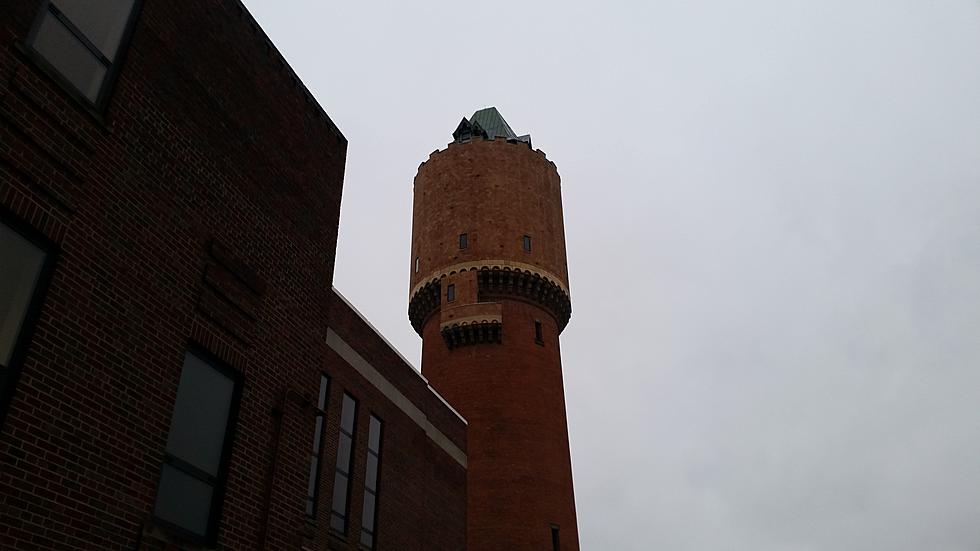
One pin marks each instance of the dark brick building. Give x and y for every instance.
(175, 369)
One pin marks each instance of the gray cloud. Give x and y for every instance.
(773, 223)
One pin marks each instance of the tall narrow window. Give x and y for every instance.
(313, 486)
(463, 241)
(369, 514)
(527, 243)
(538, 333)
(22, 264)
(198, 448)
(555, 542)
(345, 458)
(81, 41)
(450, 292)
(416, 264)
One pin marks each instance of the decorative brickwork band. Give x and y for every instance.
(472, 333)
(495, 280)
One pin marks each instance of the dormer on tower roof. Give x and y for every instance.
(489, 124)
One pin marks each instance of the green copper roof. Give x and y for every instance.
(493, 123)
(489, 124)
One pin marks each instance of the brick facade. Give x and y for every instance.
(197, 208)
(493, 350)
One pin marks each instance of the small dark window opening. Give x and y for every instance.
(538, 336)
(463, 241)
(555, 543)
(416, 264)
(450, 292)
(313, 486)
(527, 243)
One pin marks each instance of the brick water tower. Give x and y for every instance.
(489, 297)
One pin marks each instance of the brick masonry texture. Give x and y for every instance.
(495, 192)
(200, 208)
(519, 474)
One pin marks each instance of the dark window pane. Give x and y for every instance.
(101, 21)
(184, 500)
(311, 485)
(337, 523)
(20, 265)
(367, 514)
(317, 431)
(367, 540)
(374, 434)
(527, 243)
(450, 292)
(324, 385)
(200, 418)
(371, 476)
(463, 241)
(70, 57)
(340, 493)
(343, 452)
(347, 414)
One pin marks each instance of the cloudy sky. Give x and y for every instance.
(772, 211)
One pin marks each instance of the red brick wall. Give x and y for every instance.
(496, 192)
(200, 207)
(520, 478)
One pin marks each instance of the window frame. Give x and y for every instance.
(221, 478)
(113, 68)
(321, 413)
(377, 480)
(526, 243)
(350, 466)
(451, 292)
(538, 332)
(12, 371)
(464, 240)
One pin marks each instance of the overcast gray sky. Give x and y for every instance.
(772, 211)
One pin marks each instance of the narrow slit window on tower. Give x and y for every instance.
(527, 243)
(416, 264)
(320, 414)
(555, 542)
(450, 292)
(538, 333)
(345, 459)
(463, 241)
(369, 514)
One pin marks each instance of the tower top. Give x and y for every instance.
(489, 124)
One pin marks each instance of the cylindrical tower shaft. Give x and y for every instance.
(489, 296)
